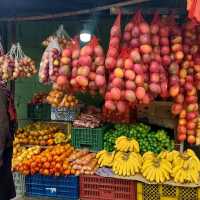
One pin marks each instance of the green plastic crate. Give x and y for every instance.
(40, 112)
(91, 138)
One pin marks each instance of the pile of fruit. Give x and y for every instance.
(155, 141)
(127, 161)
(56, 161)
(15, 64)
(39, 98)
(43, 134)
(24, 155)
(59, 99)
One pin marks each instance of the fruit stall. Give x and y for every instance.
(113, 118)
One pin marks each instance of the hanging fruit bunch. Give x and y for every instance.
(184, 79)
(15, 64)
(115, 86)
(75, 61)
(50, 63)
(60, 35)
(114, 44)
(88, 73)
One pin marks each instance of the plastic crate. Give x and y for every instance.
(91, 138)
(62, 188)
(19, 181)
(39, 112)
(64, 114)
(166, 192)
(101, 188)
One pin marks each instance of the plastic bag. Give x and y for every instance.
(88, 73)
(114, 44)
(193, 7)
(50, 63)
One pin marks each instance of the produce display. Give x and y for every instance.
(127, 161)
(39, 98)
(155, 141)
(43, 134)
(58, 160)
(15, 64)
(148, 61)
(59, 99)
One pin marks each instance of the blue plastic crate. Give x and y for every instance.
(62, 187)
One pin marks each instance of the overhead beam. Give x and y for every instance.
(74, 13)
(149, 11)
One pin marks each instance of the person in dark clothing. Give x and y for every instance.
(8, 124)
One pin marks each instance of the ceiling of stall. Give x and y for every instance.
(23, 8)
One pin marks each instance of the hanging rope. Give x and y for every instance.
(73, 13)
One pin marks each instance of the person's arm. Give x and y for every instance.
(4, 124)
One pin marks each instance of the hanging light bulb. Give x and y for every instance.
(85, 36)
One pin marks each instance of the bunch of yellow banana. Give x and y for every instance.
(155, 168)
(186, 167)
(125, 144)
(170, 156)
(127, 164)
(105, 159)
(59, 138)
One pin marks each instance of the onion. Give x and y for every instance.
(145, 39)
(154, 67)
(138, 68)
(85, 60)
(135, 31)
(114, 42)
(135, 56)
(110, 62)
(98, 50)
(129, 27)
(155, 39)
(112, 52)
(86, 51)
(128, 63)
(120, 63)
(164, 41)
(164, 31)
(99, 61)
(145, 49)
(134, 43)
(115, 31)
(127, 36)
(144, 28)
(165, 50)
(146, 58)
(154, 28)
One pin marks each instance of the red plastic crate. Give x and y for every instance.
(101, 188)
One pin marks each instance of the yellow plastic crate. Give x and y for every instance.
(166, 192)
